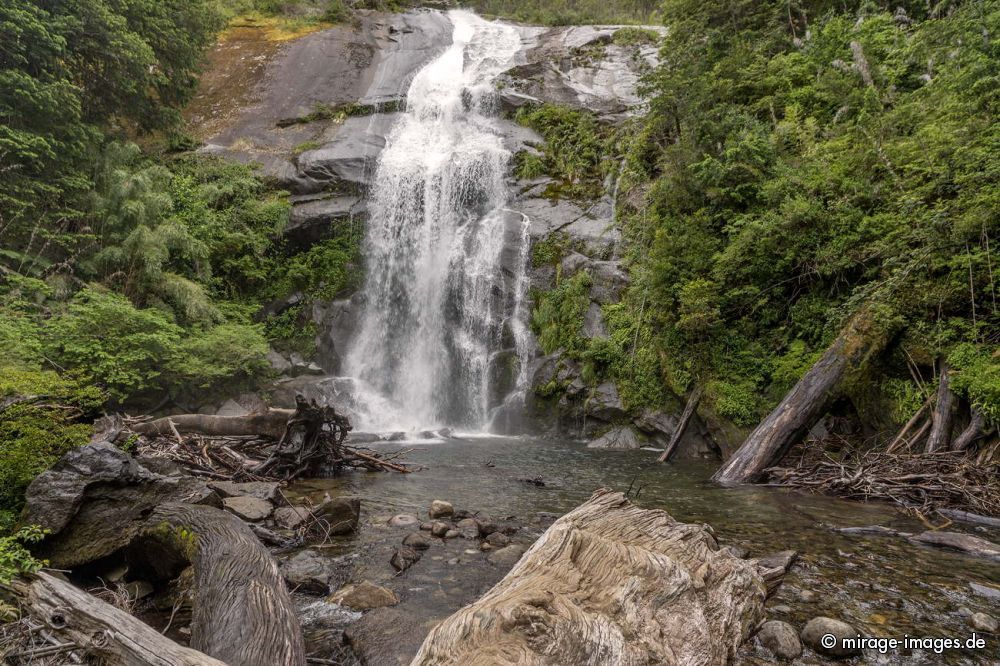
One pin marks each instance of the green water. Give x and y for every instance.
(884, 586)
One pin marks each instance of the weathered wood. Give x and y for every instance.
(270, 423)
(613, 584)
(940, 436)
(242, 612)
(805, 403)
(689, 409)
(900, 438)
(975, 430)
(98, 627)
(969, 517)
(313, 437)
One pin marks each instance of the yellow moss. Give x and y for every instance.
(271, 28)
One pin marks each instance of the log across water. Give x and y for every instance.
(613, 584)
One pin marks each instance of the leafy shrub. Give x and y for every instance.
(574, 146)
(558, 315)
(977, 378)
(15, 558)
(736, 402)
(632, 36)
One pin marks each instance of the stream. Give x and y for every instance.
(883, 586)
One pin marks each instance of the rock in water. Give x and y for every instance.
(417, 541)
(308, 571)
(468, 528)
(291, 517)
(340, 514)
(984, 622)
(818, 627)
(404, 558)
(404, 520)
(506, 556)
(248, 508)
(439, 528)
(781, 639)
(264, 490)
(498, 540)
(609, 583)
(440, 509)
(364, 596)
(617, 438)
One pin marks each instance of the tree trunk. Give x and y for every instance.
(806, 402)
(609, 583)
(102, 630)
(940, 435)
(973, 432)
(689, 409)
(242, 614)
(270, 423)
(900, 439)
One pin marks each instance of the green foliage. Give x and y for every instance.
(325, 270)
(571, 12)
(528, 166)
(550, 250)
(15, 559)
(977, 378)
(575, 147)
(736, 402)
(635, 36)
(558, 315)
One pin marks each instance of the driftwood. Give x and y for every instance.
(612, 584)
(806, 402)
(270, 423)
(689, 409)
(975, 430)
(940, 436)
(113, 635)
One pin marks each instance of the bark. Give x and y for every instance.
(805, 403)
(270, 423)
(974, 431)
(113, 635)
(609, 583)
(689, 409)
(940, 435)
(242, 612)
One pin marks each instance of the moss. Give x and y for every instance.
(634, 36)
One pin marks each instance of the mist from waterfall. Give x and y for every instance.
(438, 307)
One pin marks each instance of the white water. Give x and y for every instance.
(437, 301)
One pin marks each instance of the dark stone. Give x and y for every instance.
(340, 514)
(818, 627)
(417, 541)
(617, 438)
(309, 572)
(404, 558)
(781, 639)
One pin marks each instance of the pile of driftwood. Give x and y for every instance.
(273, 444)
(922, 482)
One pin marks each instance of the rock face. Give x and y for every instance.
(617, 438)
(609, 583)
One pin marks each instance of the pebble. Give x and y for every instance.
(248, 508)
(451, 534)
(404, 558)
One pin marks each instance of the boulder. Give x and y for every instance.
(364, 596)
(440, 509)
(338, 515)
(404, 558)
(291, 517)
(818, 627)
(780, 639)
(308, 571)
(417, 541)
(264, 490)
(247, 508)
(593, 322)
(617, 438)
(609, 281)
(605, 404)
(314, 219)
(232, 408)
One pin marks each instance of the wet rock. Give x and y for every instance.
(336, 322)
(609, 281)
(404, 520)
(780, 560)
(498, 540)
(291, 517)
(364, 596)
(653, 422)
(807, 596)
(593, 322)
(965, 543)
(818, 627)
(617, 438)
(439, 528)
(461, 514)
(451, 534)
(781, 609)
(781, 639)
(426, 527)
(248, 508)
(440, 508)
(314, 220)
(486, 525)
(507, 556)
(468, 528)
(485, 546)
(417, 541)
(339, 515)
(404, 558)
(984, 622)
(264, 490)
(605, 404)
(309, 572)
(988, 591)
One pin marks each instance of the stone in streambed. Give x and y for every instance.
(248, 508)
(486, 525)
(439, 528)
(264, 490)
(507, 556)
(782, 560)
(983, 622)
(404, 520)
(291, 517)
(468, 528)
(451, 534)
(339, 515)
(498, 540)
(781, 639)
(417, 540)
(440, 509)
(818, 627)
(308, 571)
(364, 596)
(404, 558)
(426, 527)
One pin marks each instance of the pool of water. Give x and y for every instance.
(884, 586)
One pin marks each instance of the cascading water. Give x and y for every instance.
(437, 300)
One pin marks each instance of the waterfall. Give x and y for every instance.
(438, 305)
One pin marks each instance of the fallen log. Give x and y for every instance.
(102, 630)
(689, 409)
(862, 337)
(613, 584)
(270, 423)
